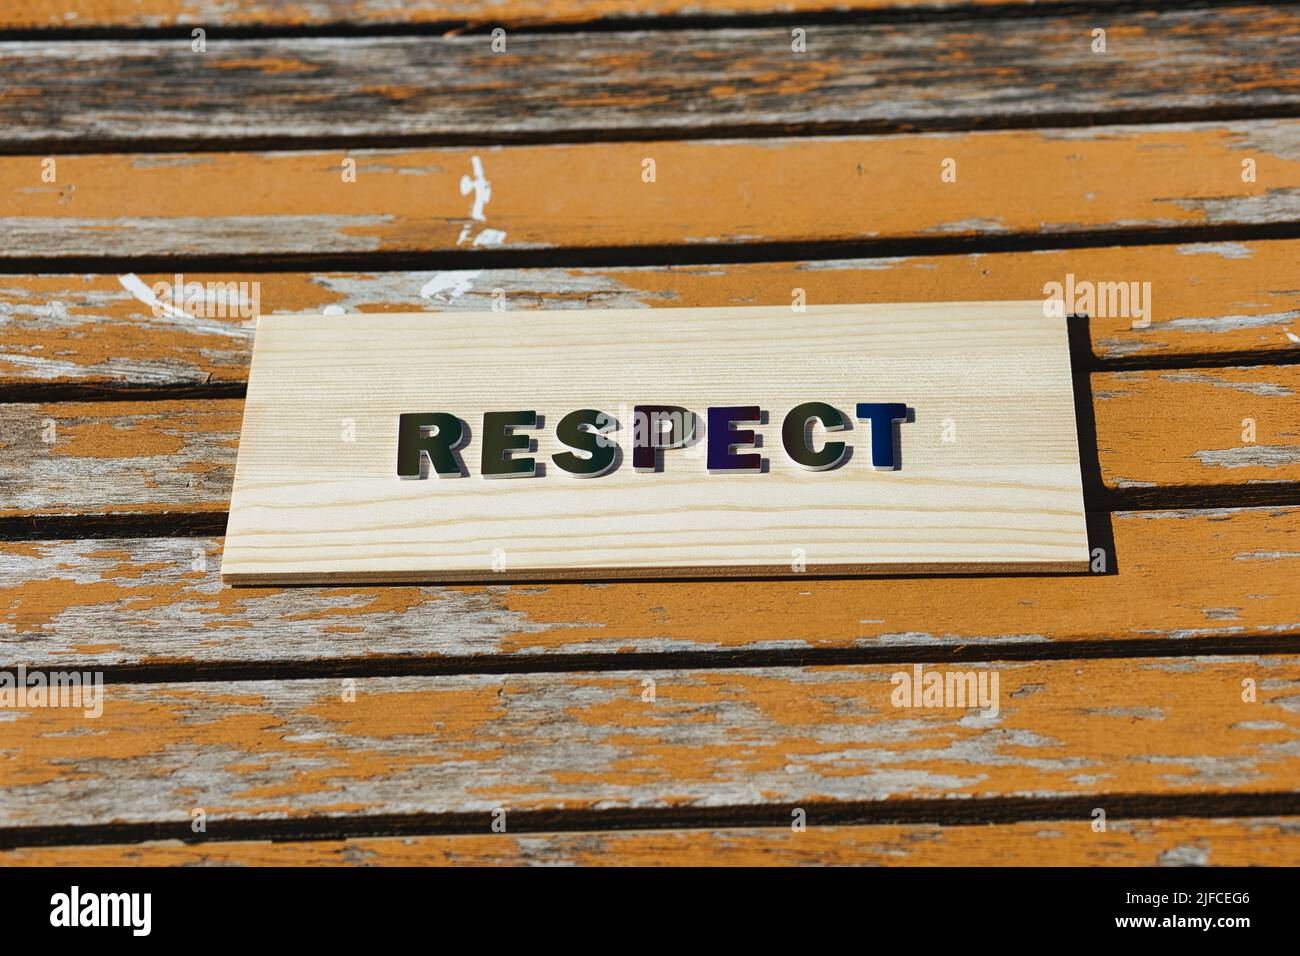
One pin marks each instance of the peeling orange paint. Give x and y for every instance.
(800, 734)
(587, 195)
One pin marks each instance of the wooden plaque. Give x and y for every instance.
(974, 464)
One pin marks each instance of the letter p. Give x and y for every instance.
(650, 437)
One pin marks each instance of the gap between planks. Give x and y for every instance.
(1100, 647)
(1177, 840)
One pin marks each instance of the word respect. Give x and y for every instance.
(430, 442)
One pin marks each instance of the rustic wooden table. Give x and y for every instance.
(335, 154)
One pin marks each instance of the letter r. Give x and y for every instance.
(435, 435)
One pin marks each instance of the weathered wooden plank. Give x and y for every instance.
(1175, 429)
(118, 457)
(1179, 841)
(160, 601)
(65, 14)
(469, 744)
(593, 195)
(609, 84)
(98, 332)
(1189, 427)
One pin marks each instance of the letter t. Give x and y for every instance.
(882, 417)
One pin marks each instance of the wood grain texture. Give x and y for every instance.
(1179, 841)
(274, 750)
(1167, 430)
(37, 14)
(987, 480)
(159, 602)
(608, 85)
(1104, 179)
(91, 332)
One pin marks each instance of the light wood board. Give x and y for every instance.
(317, 499)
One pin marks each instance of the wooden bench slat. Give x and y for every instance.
(592, 195)
(1180, 841)
(1168, 430)
(36, 14)
(160, 602)
(93, 332)
(119, 458)
(1191, 427)
(588, 741)
(610, 84)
